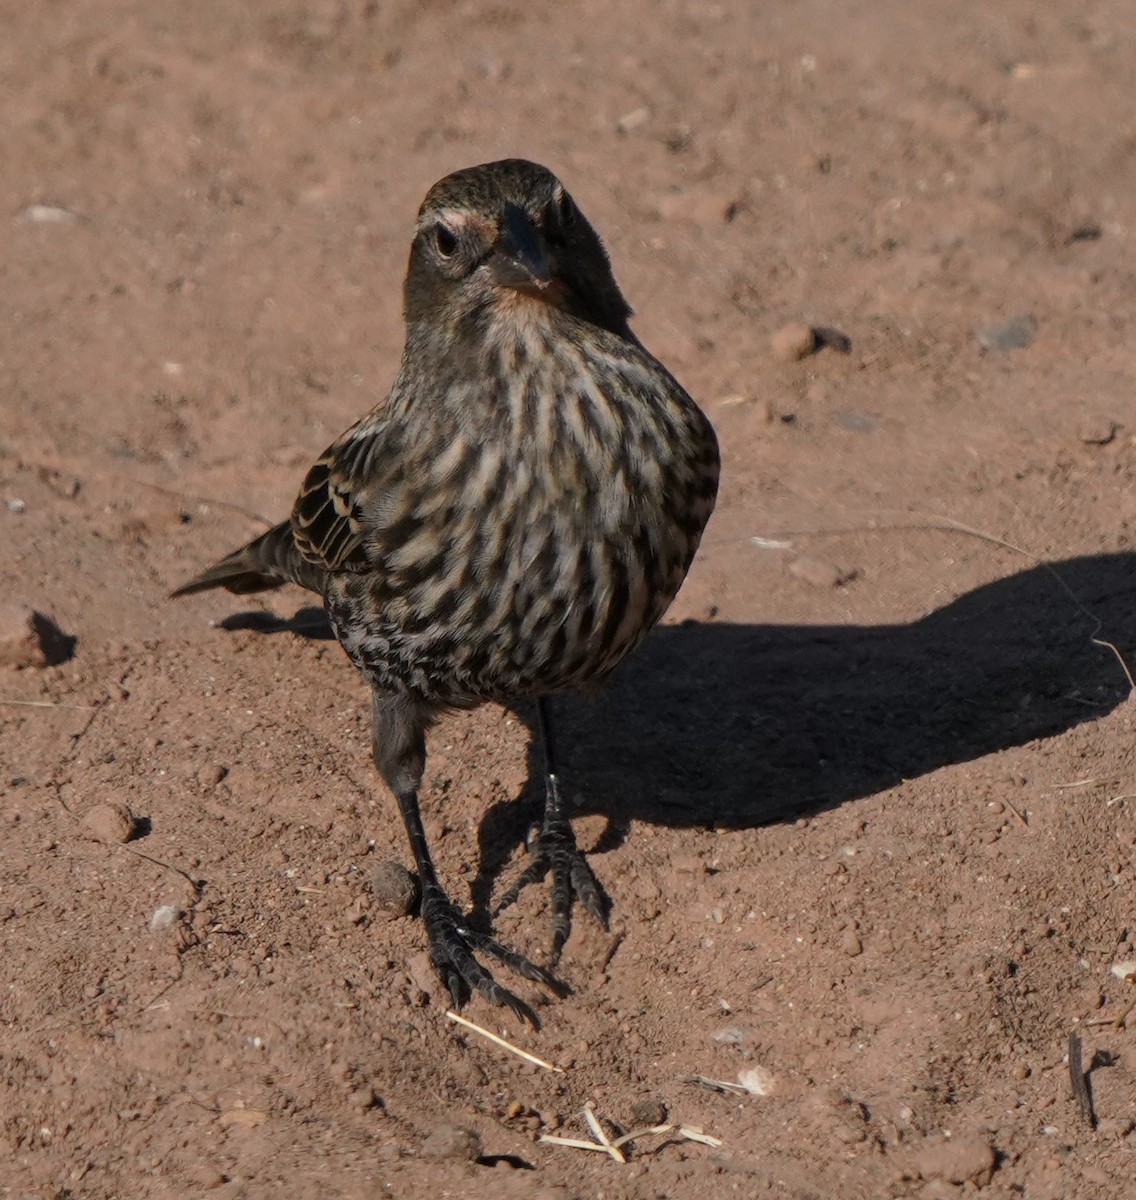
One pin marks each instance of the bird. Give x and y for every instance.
(507, 524)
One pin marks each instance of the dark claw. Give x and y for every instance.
(452, 945)
(556, 852)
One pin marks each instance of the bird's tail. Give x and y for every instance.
(268, 562)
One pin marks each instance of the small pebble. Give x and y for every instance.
(855, 422)
(688, 864)
(452, 1141)
(793, 341)
(850, 943)
(633, 119)
(363, 1097)
(48, 214)
(1087, 231)
(1016, 333)
(31, 639)
(819, 572)
(163, 917)
(394, 888)
(110, 823)
(210, 775)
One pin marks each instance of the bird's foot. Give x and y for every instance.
(555, 851)
(452, 945)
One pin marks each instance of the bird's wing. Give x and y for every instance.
(328, 518)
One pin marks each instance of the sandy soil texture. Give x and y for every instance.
(865, 805)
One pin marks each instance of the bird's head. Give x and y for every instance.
(506, 236)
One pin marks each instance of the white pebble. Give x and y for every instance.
(758, 1081)
(49, 214)
(163, 917)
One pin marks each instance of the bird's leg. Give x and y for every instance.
(555, 851)
(399, 751)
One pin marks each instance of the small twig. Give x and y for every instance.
(713, 1085)
(50, 704)
(1120, 1021)
(614, 942)
(194, 884)
(1014, 809)
(177, 494)
(1080, 1081)
(500, 1041)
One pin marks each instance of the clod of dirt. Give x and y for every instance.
(31, 639)
(452, 1141)
(364, 1097)
(203, 1177)
(819, 572)
(649, 1111)
(211, 775)
(850, 943)
(793, 341)
(425, 984)
(110, 823)
(959, 1160)
(1015, 333)
(394, 888)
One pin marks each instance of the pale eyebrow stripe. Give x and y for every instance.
(457, 218)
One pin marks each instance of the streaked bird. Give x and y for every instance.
(511, 520)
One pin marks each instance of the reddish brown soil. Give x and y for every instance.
(876, 838)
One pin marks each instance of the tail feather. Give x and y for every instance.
(270, 561)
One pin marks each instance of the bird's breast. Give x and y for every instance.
(549, 532)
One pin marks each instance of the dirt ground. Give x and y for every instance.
(865, 806)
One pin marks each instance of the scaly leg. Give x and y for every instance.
(399, 748)
(556, 851)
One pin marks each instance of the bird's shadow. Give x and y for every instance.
(733, 725)
(728, 725)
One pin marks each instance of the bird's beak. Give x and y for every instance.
(520, 257)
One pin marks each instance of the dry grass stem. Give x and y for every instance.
(500, 1041)
(713, 1085)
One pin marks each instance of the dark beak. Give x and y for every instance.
(519, 258)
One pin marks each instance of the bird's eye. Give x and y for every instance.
(445, 240)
